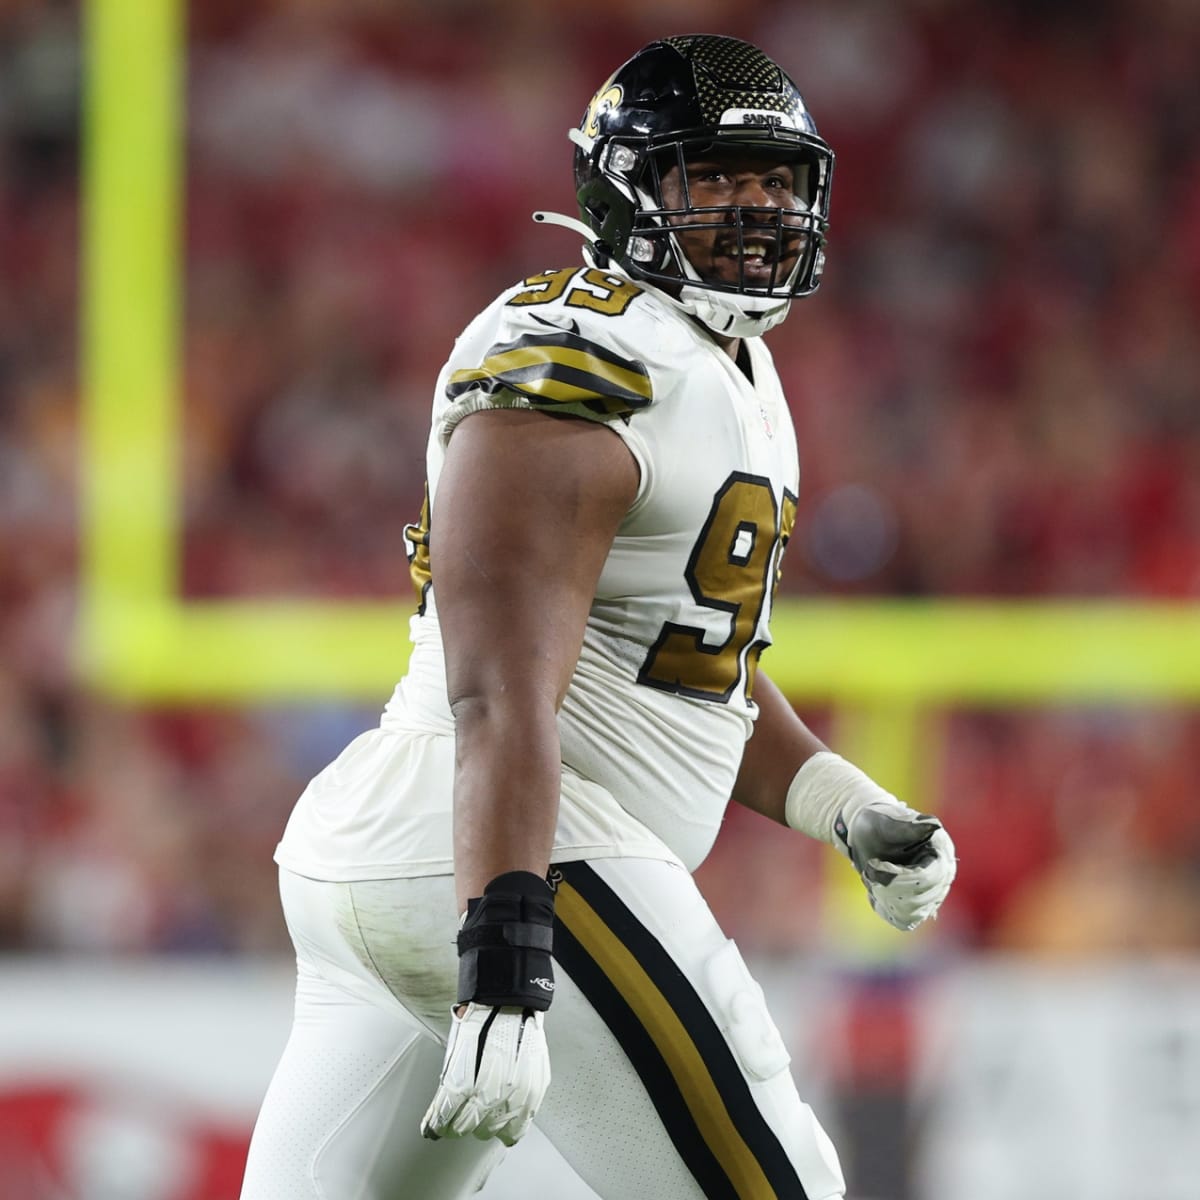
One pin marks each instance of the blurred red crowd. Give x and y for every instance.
(997, 393)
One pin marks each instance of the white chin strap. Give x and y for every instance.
(733, 316)
(728, 314)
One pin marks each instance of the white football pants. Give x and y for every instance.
(670, 1081)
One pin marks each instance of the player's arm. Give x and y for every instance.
(780, 744)
(526, 510)
(905, 858)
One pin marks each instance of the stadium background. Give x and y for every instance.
(224, 293)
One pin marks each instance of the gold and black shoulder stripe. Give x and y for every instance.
(672, 1041)
(560, 368)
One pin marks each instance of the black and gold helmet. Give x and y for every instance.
(676, 100)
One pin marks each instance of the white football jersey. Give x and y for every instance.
(654, 723)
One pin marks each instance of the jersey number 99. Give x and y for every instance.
(732, 568)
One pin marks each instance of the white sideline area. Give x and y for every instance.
(126, 1079)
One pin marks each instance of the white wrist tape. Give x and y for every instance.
(825, 786)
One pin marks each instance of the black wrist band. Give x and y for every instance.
(506, 942)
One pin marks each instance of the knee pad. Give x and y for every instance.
(740, 1009)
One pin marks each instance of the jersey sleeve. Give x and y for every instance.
(582, 363)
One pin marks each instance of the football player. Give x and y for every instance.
(495, 884)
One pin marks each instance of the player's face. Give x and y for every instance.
(760, 186)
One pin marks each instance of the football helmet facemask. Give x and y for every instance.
(703, 98)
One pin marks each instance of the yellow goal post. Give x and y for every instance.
(883, 665)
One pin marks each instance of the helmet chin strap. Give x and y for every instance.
(726, 314)
(731, 316)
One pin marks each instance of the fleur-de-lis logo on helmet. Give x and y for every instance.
(605, 100)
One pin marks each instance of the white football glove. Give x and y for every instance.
(494, 1076)
(905, 858)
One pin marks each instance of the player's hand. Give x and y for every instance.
(905, 859)
(494, 1076)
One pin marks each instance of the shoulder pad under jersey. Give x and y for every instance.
(563, 340)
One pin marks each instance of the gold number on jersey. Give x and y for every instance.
(417, 536)
(732, 566)
(614, 293)
(787, 522)
(617, 294)
(543, 288)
